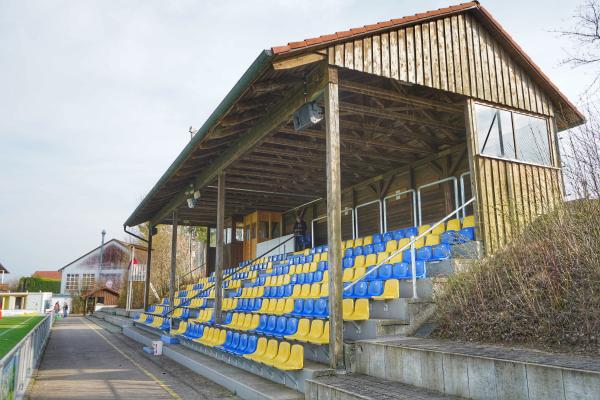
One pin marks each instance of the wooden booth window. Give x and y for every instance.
(511, 135)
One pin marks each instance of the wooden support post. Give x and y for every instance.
(148, 264)
(472, 146)
(334, 220)
(173, 261)
(220, 245)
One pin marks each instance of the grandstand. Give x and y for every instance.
(437, 143)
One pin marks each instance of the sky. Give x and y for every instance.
(96, 97)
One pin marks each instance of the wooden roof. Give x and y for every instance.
(56, 275)
(387, 121)
(3, 269)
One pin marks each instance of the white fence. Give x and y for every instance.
(19, 363)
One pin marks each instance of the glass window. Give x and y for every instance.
(213, 237)
(512, 135)
(263, 229)
(247, 232)
(239, 231)
(531, 134)
(72, 282)
(88, 281)
(275, 227)
(495, 132)
(253, 230)
(227, 235)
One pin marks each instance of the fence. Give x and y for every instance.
(17, 366)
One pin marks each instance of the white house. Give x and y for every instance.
(87, 272)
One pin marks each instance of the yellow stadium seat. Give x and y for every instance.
(315, 291)
(324, 289)
(313, 267)
(296, 291)
(316, 330)
(324, 338)
(260, 291)
(359, 261)
(382, 256)
(219, 339)
(317, 257)
(264, 306)
(395, 259)
(371, 259)
(295, 361)
(268, 281)
(469, 221)
(288, 307)
(367, 240)
(423, 228)
(348, 275)
(325, 277)
(432, 240)
(303, 330)
(305, 291)
(391, 246)
(286, 279)
(283, 353)
(359, 272)
(438, 230)
(419, 243)
(279, 307)
(358, 242)
(403, 242)
(279, 280)
(391, 290)
(305, 268)
(245, 292)
(324, 256)
(254, 322)
(234, 321)
(272, 306)
(355, 310)
(453, 225)
(271, 353)
(261, 347)
(349, 243)
(206, 336)
(293, 270)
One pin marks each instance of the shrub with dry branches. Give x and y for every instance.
(542, 290)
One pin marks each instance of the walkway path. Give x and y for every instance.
(84, 361)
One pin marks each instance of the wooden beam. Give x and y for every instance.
(220, 247)
(276, 116)
(334, 221)
(374, 91)
(148, 265)
(173, 261)
(297, 61)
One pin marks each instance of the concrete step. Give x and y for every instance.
(363, 387)
(247, 379)
(477, 371)
(106, 325)
(114, 319)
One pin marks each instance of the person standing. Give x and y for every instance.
(299, 234)
(65, 309)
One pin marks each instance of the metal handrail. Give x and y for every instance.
(188, 300)
(411, 245)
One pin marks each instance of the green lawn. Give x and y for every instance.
(13, 329)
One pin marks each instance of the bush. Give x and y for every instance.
(35, 284)
(542, 290)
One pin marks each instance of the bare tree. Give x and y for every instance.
(585, 36)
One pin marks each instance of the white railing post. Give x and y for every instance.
(413, 266)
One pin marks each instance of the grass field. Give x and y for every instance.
(13, 329)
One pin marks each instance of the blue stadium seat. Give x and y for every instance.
(347, 262)
(288, 290)
(349, 252)
(369, 276)
(280, 327)
(398, 234)
(308, 308)
(243, 344)
(412, 231)
(347, 293)
(298, 307)
(450, 237)
(360, 290)
(280, 291)
(267, 292)
(379, 247)
(368, 249)
(228, 340)
(322, 266)
(271, 325)
(358, 251)
(307, 259)
(251, 347)
(384, 272)
(321, 309)
(300, 280)
(291, 326)
(466, 234)
(377, 238)
(294, 279)
(375, 288)
(388, 236)
(308, 278)
(317, 276)
(424, 253)
(441, 251)
(262, 324)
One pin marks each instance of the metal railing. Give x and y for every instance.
(188, 300)
(411, 245)
(17, 366)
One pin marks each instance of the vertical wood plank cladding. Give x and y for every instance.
(471, 56)
(410, 54)
(394, 55)
(513, 195)
(367, 55)
(385, 55)
(478, 64)
(505, 79)
(377, 55)
(339, 55)
(358, 55)
(435, 63)
(402, 56)
(449, 55)
(426, 56)
(456, 55)
(442, 50)
(464, 57)
(492, 69)
(349, 55)
(487, 94)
